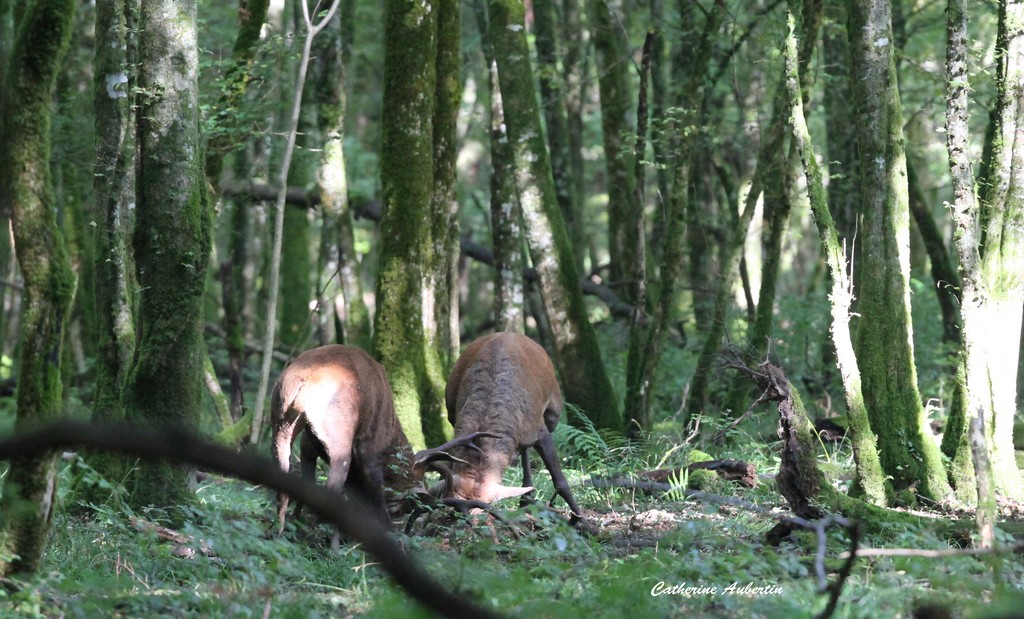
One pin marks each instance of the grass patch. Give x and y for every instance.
(102, 564)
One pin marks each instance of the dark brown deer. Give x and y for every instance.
(341, 398)
(502, 398)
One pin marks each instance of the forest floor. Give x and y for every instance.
(662, 554)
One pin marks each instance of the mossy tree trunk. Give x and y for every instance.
(989, 238)
(869, 483)
(841, 140)
(442, 324)
(296, 285)
(6, 251)
(233, 283)
(115, 286)
(506, 214)
(885, 349)
(341, 291)
(624, 205)
(840, 144)
(647, 342)
(296, 259)
(945, 279)
(73, 189)
(553, 103)
(574, 67)
(660, 104)
(404, 297)
(577, 354)
(29, 492)
(7, 261)
(171, 241)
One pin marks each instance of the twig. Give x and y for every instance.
(844, 572)
(764, 397)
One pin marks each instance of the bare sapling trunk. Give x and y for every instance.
(275, 263)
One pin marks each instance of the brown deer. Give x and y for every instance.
(341, 398)
(502, 398)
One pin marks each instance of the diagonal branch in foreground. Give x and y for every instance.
(352, 517)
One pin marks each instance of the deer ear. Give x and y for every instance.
(508, 492)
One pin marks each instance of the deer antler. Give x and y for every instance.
(425, 457)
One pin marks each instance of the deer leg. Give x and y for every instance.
(338, 472)
(527, 477)
(282, 448)
(373, 487)
(546, 448)
(309, 451)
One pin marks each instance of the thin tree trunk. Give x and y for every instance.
(7, 284)
(613, 64)
(574, 66)
(778, 201)
(943, 270)
(233, 285)
(506, 214)
(341, 294)
(312, 29)
(25, 178)
(7, 258)
(115, 195)
(553, 103)
(870, 482)
(637, 405)
(443, 322)
(641, 373)
(297, 284)
(578, 356)
(251, 15)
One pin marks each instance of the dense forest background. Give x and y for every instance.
(696, 207)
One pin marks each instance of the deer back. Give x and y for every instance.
(341, 394)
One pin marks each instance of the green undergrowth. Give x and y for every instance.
(107, 562)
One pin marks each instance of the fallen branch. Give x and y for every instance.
(352, 517)
(739, 471)
(936, 554)
(186, 544)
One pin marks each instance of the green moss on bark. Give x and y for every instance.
(296, 284)
(578, 356)
(171, 242)
(884, 346)
(30, 486)
(407, 164)
(114, 284)
(624, 208)
(870, 482)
